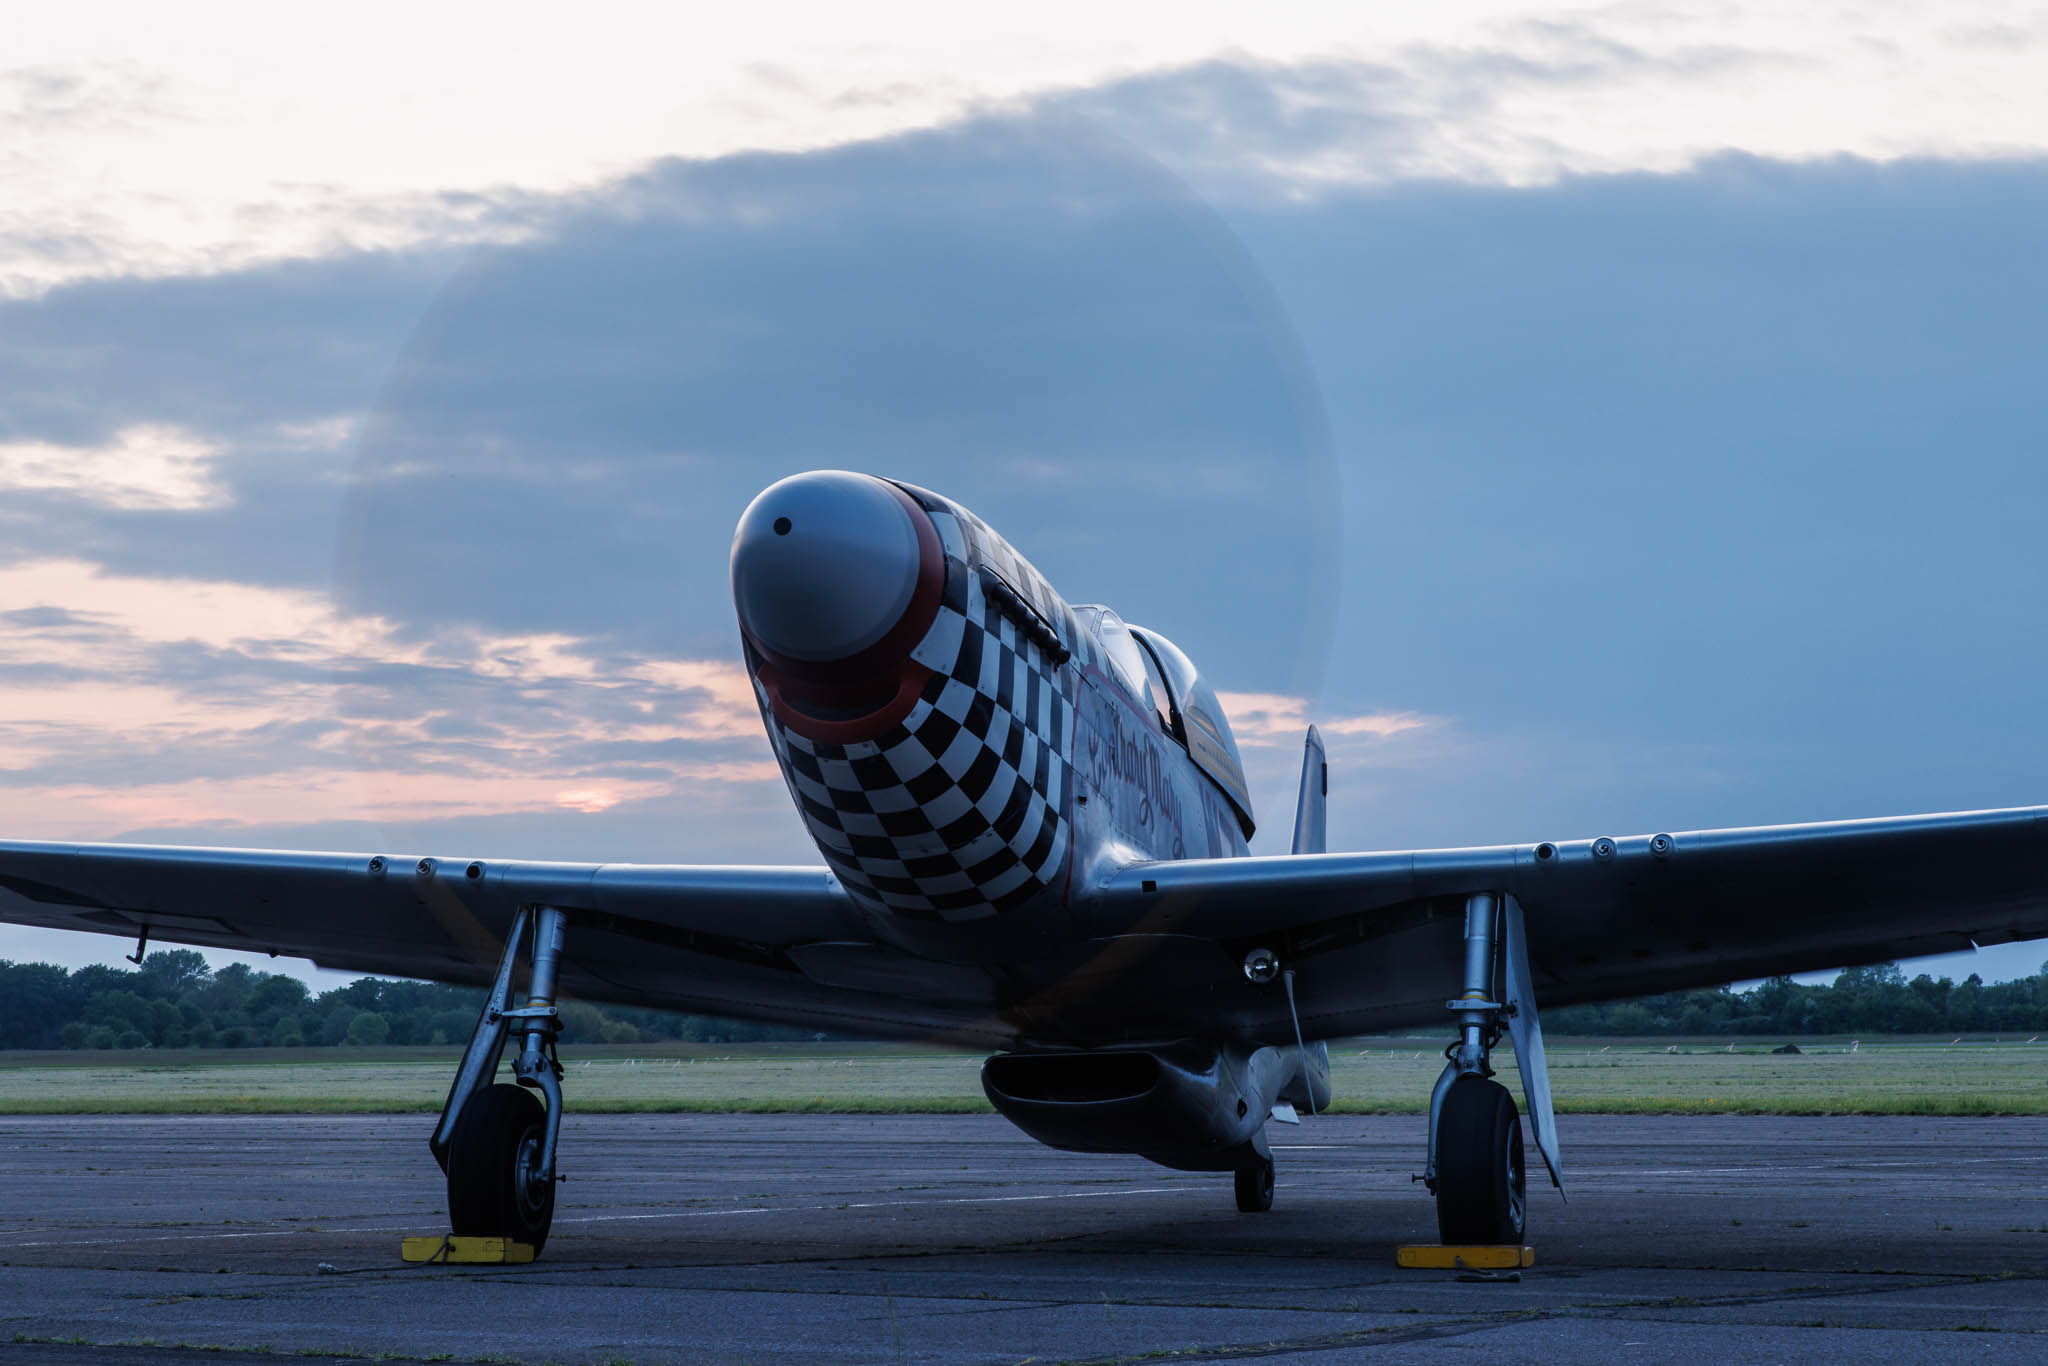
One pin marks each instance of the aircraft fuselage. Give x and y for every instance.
(966, 748)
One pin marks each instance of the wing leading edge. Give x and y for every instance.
(1609, 917)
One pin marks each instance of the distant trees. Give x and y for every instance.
(368, 1029)
(1869, 1000)
(175, 1001)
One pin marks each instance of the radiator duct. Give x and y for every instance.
(1193, 1106)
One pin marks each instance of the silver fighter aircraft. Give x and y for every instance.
(1033, 821)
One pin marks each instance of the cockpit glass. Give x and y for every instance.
(1133, 670)
(1162, 695)
(1203, 728)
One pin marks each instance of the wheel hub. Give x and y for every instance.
(527, 1184)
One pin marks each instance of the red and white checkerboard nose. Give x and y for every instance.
(931, 764)
(824, 564)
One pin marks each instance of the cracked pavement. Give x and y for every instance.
(779, 1238)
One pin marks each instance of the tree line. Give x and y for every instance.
(174, 1000)
(1872, 1000)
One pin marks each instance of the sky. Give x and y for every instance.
(1598, 419)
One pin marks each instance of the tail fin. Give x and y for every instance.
(1310, 812)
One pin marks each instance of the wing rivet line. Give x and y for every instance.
(1661, 846)
(1603, 848)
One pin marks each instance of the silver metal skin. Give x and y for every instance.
(539, 1021)
(1287, 980)
(1436, 1110)
(1311, 804)
(1478, 1017)
(486, 1044)
(1481, 1020)
(1518, 992)
(536, 1066)
(823, 564)
(1194, 1105)
(1477, 1012)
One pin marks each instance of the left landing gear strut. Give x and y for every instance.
(497, 1143)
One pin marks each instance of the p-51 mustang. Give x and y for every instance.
(1034, 823)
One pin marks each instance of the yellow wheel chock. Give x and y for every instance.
(1483, 1257)
(451, 1249)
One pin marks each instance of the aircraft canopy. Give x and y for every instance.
(1202, 726)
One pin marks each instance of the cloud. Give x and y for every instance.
(328, 434)
(1030, 318)
(1530, 98)
(269, 371)
(1260, 719)
(1669, 501)
(612, 394)
(164, 701)
(144, 466)
(1022, 316)
(257, 141)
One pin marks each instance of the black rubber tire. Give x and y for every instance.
(1480, 1192)
(497, 1140)
(1255, 1186)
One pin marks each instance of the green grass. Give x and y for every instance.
(1372, 1076)
(1642, 1077)
(760, 1078)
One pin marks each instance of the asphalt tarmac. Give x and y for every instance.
(771, 1239)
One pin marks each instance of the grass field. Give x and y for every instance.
(1372, 1076)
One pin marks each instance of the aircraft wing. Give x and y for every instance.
(776, 943)
(1374, 936)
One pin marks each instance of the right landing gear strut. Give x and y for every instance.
(497, 1143)
(1476, 1169)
